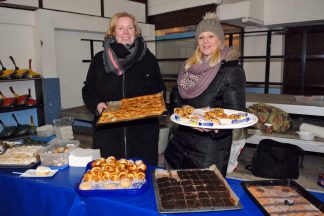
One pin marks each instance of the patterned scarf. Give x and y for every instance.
(196, 79)
(118, 58)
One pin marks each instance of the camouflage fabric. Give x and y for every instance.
(280, 120)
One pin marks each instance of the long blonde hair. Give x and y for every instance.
(113, 23)
(197, 56)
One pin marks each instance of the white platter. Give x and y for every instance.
(249, 120)
(32, 173)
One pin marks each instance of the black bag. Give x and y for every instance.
(276, 160)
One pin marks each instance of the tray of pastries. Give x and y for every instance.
(106, 176)
(129, 109)
(193, 190)
(283, 197)
(212, 118)
(19, 155)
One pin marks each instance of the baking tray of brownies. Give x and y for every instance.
(193, 190)
(283, 197)
(129, 109)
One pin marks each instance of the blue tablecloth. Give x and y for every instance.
(57, 196)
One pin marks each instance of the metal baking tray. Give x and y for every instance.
(286, 182)
(113, 105)
(203, 209)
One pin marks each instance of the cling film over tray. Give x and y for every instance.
(134, 108)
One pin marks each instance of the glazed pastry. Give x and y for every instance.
(110, 186)
(87, 177)
(122, 175)
(96, 178)
(125, 183)
(42, 171)
(85, 186)
(141, 167)
(114, 177)
(109, 168)
(140, 175)
(131, 176)
(96, 171)
(131, 167)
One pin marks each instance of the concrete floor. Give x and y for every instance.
(313, 164)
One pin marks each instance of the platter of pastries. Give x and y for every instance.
(283, 197)
(134, 108)
(212, 118)
(110, 175)
(20, 156)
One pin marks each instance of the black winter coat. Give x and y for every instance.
(190, 148)
(131, 139)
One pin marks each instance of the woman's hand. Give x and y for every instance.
(204, 129)
(101, 106)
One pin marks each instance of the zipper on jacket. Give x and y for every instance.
(124, 128)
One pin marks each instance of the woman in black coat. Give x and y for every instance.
(212, 77)
(125, 68)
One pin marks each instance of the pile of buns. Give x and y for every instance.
(110, 173)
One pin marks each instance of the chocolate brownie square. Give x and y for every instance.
(165, 197)
(168, 204)
(200, 188)
(202, 195)
(206, 203)
(185, 182)
(188, 188)
(192, 195)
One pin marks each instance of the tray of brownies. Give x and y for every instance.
(193, 190)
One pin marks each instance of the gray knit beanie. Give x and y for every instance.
(210, 23)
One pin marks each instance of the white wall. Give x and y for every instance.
(79, 6)
(32, 3)
(279, 12)
(53, 40)
(137, 9)
(70, 51)
(163, 6)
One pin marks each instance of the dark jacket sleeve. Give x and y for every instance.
(89, 95)
(175, 99)
(234, 94)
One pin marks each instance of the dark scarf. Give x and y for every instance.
(196, 79)
(118, 58)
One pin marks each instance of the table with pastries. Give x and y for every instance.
(57, 196)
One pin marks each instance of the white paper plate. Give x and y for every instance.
(249, 120)
(32, 173)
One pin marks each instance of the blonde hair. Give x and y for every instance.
(197, 56)
(113, 23)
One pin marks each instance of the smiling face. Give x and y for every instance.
(208, 43)
(125, 31)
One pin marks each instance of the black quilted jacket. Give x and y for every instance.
(132, 139)
(193, 149)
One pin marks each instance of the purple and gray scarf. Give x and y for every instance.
(196, 79)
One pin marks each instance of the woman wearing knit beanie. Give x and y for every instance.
(211, 77)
